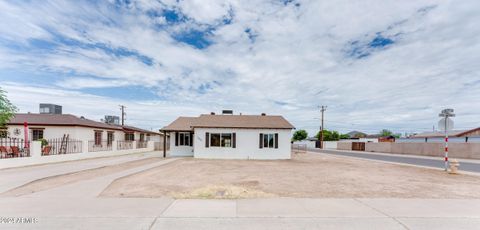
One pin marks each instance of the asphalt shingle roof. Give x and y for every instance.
(229, 121)
(59, 120)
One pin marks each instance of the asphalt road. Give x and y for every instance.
(465, 166)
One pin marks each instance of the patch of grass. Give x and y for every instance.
(221, 192)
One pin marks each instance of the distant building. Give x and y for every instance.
(50, 109)
(112, 120)
(453, 133)
(356, 134)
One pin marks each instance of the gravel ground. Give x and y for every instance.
(306, 175)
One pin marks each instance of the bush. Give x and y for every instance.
(44, 142)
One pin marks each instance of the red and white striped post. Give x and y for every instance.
(446, 113)
(446, 150)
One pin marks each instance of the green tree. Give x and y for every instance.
(344, 136)
(300, 135)
(329, 135)
(386, 133)
(7, 109)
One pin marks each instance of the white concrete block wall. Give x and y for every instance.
(311, 144)
(36, 157)
(247, 145)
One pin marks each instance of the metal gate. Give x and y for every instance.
(358, 146)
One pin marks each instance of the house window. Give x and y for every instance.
(226, 140)
(110, 138)
(268, 140)
(37, 134)
(142, 137)
(215, 139)
(148, 137)
(98, 137)
(183, 139)
(129, 137)
(221, 140)
(44, 110)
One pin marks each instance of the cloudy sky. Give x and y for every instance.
(375, 63)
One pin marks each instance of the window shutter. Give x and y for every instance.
(191, 138)
(176, 138)
(276, 140)
(207, 139)
(260, 143)
(234, 140)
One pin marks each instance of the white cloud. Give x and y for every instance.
(299, 58)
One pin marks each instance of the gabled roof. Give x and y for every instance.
(452, 133)
(242, 121)
(229, 121)
(58, 120)
(180, 124)
(128, 128)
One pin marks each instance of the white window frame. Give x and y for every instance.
(129, 136)
(266, 142)
(112, 139)
(33, 135)
(184, 137)
(97, 140)
(221, 139)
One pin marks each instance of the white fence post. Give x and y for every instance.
(151, 145)
(36, 149)
(114, 145)
(85, 147)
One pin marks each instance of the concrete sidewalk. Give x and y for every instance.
(275, 213)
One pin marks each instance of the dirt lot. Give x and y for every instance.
(60, 180)
(306, 175)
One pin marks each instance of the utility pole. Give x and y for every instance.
(323, 108)
(122, 108)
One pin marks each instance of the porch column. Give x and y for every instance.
(164, 143)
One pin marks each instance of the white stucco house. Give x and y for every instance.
(229, 136)
(53, 126)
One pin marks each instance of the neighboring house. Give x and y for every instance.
(133, 133)
(453, 133)
(52, 126)
(230, 137)
(356, 134)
